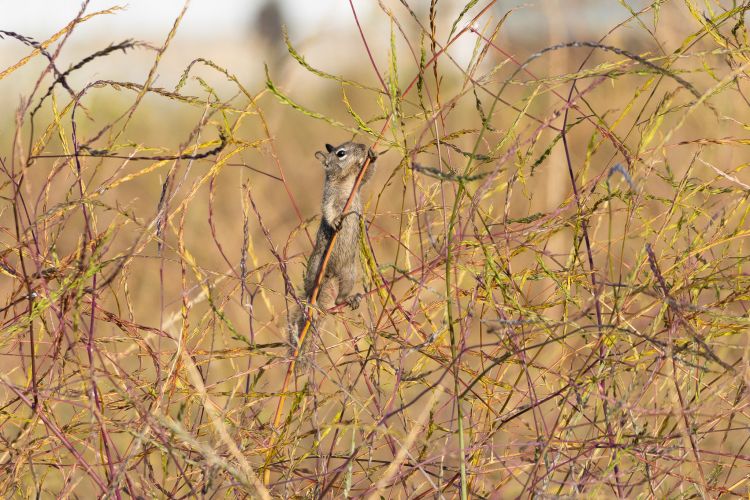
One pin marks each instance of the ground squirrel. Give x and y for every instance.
(342, 164)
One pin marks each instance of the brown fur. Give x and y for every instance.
(342, 270)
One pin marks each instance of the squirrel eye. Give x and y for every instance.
(340, 153)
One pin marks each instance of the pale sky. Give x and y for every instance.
(324, 30)
(153, 18)
(217, 29)
(230, 18)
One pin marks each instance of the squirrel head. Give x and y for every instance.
(344, 160)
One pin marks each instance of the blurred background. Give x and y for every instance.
(245, 34)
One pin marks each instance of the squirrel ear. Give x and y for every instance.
(329, 148)
(321, 157)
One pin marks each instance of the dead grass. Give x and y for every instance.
(554, 253)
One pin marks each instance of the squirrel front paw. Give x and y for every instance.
(337, 222)
(372, 155)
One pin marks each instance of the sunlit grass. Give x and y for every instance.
(556, 273)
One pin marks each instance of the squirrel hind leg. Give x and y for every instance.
(353, 300)
(327, 294)
(347, 280)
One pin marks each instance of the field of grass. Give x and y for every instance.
(554, 256)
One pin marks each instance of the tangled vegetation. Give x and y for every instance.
(556, 273)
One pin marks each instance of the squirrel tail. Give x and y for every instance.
(297, 320)
(295, 326)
